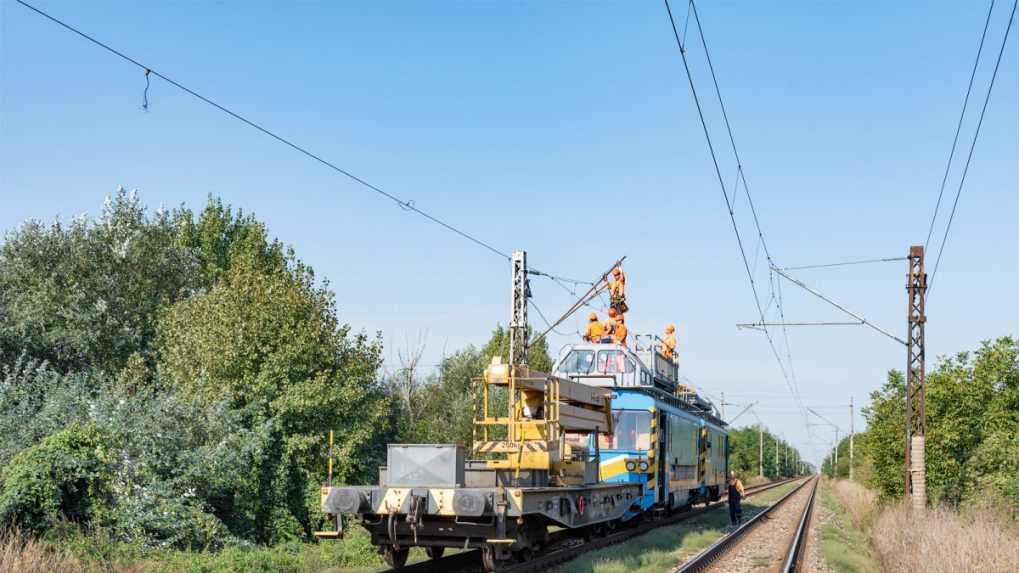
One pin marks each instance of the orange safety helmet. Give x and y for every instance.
(612, 312)
(617, 271)
(671, 328)
(593, 317)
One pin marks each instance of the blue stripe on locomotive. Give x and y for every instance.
(613, 468)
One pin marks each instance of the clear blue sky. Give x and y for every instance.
(564, 129)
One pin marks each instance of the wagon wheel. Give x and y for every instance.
(435, 552)
(395, 558)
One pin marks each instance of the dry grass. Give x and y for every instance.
(22, 554)
(753, 480)
(858, 501)
(941, 541)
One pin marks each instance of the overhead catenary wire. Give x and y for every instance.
(958, 127)
(545, 320)
(595, 290)
(789, 376)
(404, 204)
(721, 181)
(972, 147)
(845, 263)
(863, 320)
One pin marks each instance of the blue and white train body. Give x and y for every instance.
(666, 437)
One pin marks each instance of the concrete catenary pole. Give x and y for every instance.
(836, 450)
(760, 450)
(852, 431)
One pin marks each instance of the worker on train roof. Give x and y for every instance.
(619, 332)
(595, 329)
(617, 291)
(669, 342)
(608, 327)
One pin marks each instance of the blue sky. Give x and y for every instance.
(564, 129)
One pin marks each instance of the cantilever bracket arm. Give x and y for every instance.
(862, 320)
(761, 325)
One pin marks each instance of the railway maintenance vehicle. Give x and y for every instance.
(609, 437)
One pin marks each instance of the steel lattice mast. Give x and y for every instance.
(916, 415)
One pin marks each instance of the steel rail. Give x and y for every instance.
(797, 546)
(706, 558)
(471, 560)
(560, 556)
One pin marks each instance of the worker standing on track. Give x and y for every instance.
(736, 494)
(669, 342)
(595, 330)
(617, 291)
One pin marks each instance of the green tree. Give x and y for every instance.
(86, 294)
(972, 428)
(445, 401)
(269, 341)
(221, 236)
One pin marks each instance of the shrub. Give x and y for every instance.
(36, 401)
(65, 476)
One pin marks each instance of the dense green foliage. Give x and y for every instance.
(167, 381)
(170, 379)
(66, 475)
(745, 453)
(972, 429)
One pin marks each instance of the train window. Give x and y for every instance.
(578, 362)
(632, 431)
(614, 362)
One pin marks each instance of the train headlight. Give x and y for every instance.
(631, 466)
(643, 466)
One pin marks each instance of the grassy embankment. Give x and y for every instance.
(77, 553)
(869, 537)
(844, 543)
(664, 548)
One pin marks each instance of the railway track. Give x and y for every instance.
(565, 545)
(715, 556)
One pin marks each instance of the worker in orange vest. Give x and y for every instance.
(617, 291)
(609, 326)
(619, 332)
(595, 329)
(669, 342)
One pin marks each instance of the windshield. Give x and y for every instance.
(632, 431)
(578, 362)
(613, 362)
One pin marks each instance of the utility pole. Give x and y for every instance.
(852, 431)
(916, 414)
(785, 455)
(836, 447)
(760, 450)
(776, 456)
(518, 319)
